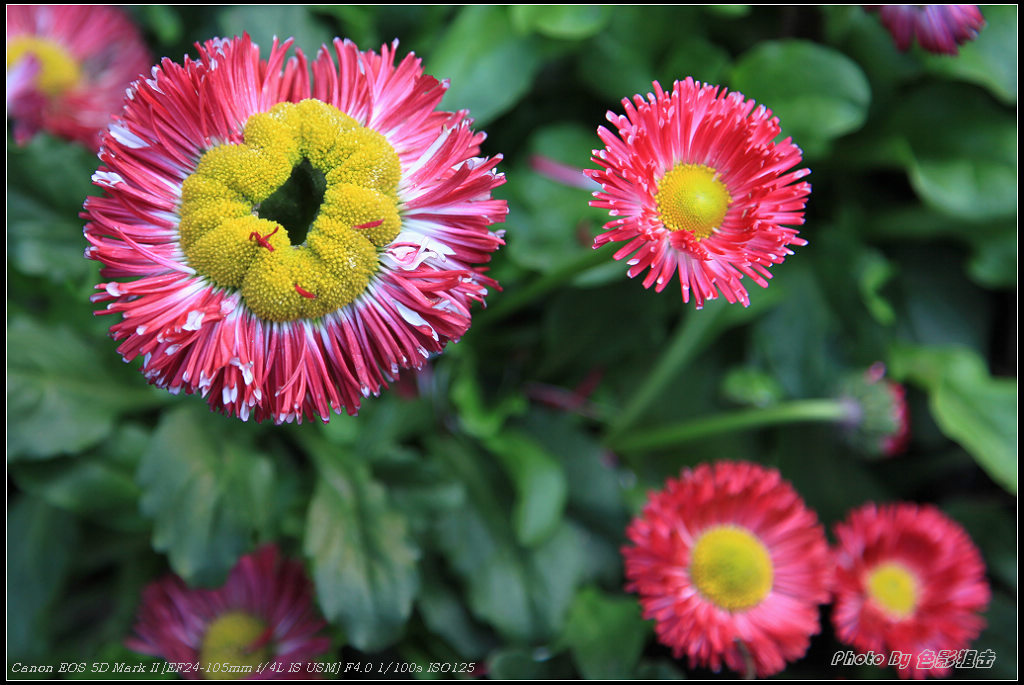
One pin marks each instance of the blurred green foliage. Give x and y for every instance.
(478, 514)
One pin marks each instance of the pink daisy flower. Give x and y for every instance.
(732, 566)
(284, 245)
(259, 624)
(908, 580)
(938, 28)
(68, 67)
(699, 187)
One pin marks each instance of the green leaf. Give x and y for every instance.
(163, 21)
(208, 490)
(595, 493)
(963, 151)
(969, 405)
(994, 262)
(990, 60)
(476, 48)
(696, 57)
(523, 593)
(45, 241)
(569, 22)
(47, 182)
(99, 485)
(552, 221)
(605, 634)
(264, 22)
(729, 11)
(793, 340)
(518, 663)
(540, 486)
(445, 614)
(475, 416)
(40, 546)
(60, 397)
(751, 386)
(817, 92)
(364, 564)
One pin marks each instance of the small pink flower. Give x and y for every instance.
(731, 565)
(260, 622)
(938, 28)
(286, 245)
(699, 187)
(909, 580)
(68, 67)
(880, 424)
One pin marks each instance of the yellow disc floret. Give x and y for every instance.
(731, 568)
(233, 647)
(691, 198)
(58, 70)
(894, 589)
(225, 239)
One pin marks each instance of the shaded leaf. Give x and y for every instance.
(970, 406)
(605, 634)
(364, 564)
(817, 92)
(540, 486)
(963, 151)
(570, 22)
(476, 47)
(264, 22)
(60, 397)
(100, 484)
(40, 545)
(208, 491)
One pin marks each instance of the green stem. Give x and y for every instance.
(687, 340)
(521, 297)
(796, 411)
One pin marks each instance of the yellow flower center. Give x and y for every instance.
(234, 645)
(58, 70)
(691, 198)
(731, 568)
(894, 588)
(293, 217)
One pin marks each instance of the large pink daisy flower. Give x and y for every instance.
(68, 67)
(699, 187)
(732, 566)
(908, 581)
(259, 624)
(285, 245)
(938, 28)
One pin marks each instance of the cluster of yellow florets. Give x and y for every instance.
(225, 240)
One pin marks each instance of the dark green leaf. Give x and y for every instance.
(970, 406)
(994, 262)
(540, 486)
(100, 485)
(265, 22)
(478, 46)
(963, 151)
(40, 545)
(570, 22)
(605, 634)
(61, 398)
(446, 615)
(817, 92)
(208, 490)
(751, 386)
(364, 564)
